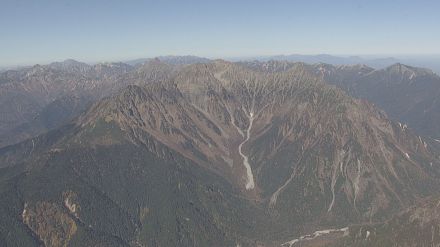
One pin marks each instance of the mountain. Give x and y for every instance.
(213, 154)
(24, 93)
(417, 226)
(30, 93)
(37, 99)
(172, 60)
(268, 66)
(413, 227)
(432, 61)
(330, 59)
(71, 66)
(408, 94)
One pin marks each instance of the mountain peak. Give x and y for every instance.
(399, 68)
(182, 60)
(171, 60)
(71, 66)
(69, 62)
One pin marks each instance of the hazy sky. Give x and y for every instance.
(38, 31)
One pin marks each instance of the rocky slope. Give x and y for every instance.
(417, 226)
(408, 94)
(213, 155)
(28, 95)
(35, 100)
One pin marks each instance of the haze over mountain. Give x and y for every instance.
(172, 60)
(39, 98)
(408, 94)
(329, 59)
(378, 62)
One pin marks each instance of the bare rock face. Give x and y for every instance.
(305, 150)
(52, 226)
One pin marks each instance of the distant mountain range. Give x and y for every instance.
(329, 59)
(431, 62)
(173, 60)
(195, 152)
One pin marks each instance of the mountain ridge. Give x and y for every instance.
(248, 154)
(284, 145)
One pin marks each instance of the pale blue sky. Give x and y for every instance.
(39, 31)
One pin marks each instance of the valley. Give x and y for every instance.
(219, 123)
(248, 157)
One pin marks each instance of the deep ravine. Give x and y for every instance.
(250, 184)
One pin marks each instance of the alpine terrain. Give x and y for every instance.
(212, 154)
